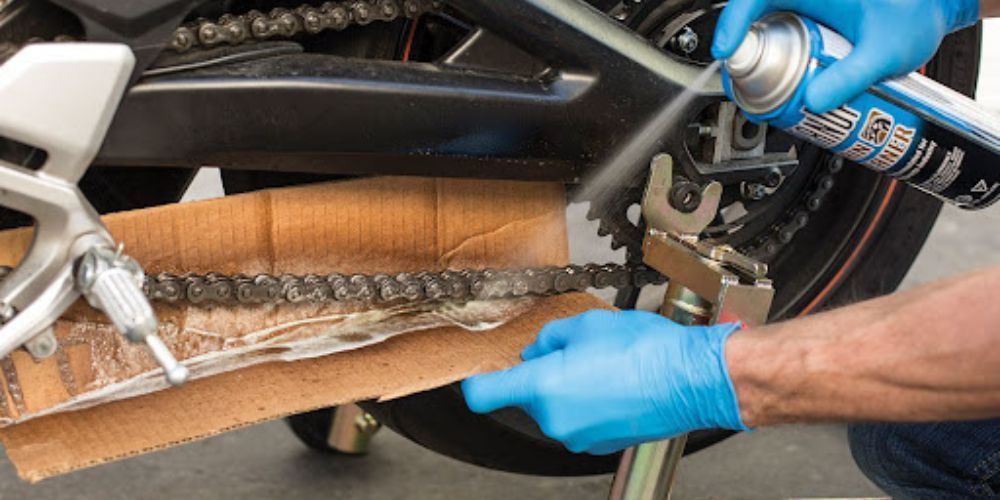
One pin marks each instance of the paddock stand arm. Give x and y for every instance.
(709, 283)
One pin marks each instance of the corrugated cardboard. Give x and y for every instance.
(376, 225)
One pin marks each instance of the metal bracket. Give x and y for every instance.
(734, 284)
(662, 215)
(352, 430)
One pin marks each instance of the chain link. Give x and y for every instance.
(232, 29)
(766, 246)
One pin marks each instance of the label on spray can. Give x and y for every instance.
(884, 136)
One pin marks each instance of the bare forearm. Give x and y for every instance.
(923, 355)
(989, 8)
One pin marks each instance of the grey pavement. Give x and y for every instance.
(266, 461)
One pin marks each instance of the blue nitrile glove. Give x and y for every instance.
(891, 38)
(603, 381)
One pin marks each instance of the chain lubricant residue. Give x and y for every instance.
(125, 370)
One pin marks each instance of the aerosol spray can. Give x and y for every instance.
(910, 128)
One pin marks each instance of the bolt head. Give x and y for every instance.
(773, 178)
(754, 191)
(7, 313)
(43, 346)
(687, 40)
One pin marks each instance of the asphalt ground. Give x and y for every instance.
(266, 461)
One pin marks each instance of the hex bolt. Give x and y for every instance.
(43, 346)
(773, 178)
(754, 191)
(7, 313)
(686, 41)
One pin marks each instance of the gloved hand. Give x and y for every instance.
(891, 38)
(603, 381)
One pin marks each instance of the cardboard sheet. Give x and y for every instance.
(376, 225)
(408, 364)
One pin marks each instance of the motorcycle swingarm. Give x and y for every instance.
(603, 88)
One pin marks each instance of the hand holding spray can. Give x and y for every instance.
(910, 128)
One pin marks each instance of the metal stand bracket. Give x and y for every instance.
(352, 430)
(709, 283)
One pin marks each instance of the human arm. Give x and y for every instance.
(929, 354)
(891, 37)
(604, 381)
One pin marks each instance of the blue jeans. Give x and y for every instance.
(940, 460)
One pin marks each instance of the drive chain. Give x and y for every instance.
(458, 286)
(257, 26)
(235, 29)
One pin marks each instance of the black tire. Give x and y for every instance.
(884, 225)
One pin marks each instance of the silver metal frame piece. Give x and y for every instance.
(59, 98)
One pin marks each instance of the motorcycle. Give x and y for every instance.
(279, 92)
